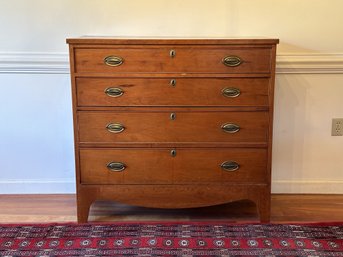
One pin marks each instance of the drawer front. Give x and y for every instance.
(125, 166)
(159, 166)
(173, 59)
(172, 92)
(220, 165)
(195, 126)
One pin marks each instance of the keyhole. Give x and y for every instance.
(173, 82)
(172, 53)
(173, 153)
(172, 116)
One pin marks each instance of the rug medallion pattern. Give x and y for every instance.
(171, 239)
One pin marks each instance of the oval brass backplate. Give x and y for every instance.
(114, 91)
(116, 166)
(115, 127)
(113, 60)
(230, 128)
(232, 61)
(231, 92)
(230, 166)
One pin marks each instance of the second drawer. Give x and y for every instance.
(163, 126)
(173, 166)
(172, 91)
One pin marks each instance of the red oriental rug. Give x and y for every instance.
(172, 239)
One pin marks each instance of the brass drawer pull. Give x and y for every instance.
(114, 91)
(231, 92)
(230, 166)
(232, 61)
(115, 127)
(172, 53)
(230, 128)
(113, 60)
(116, 166)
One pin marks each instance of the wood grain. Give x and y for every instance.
(143, 166)
(159, 92)
(110, 40)
(200, 111)
(189, 59)
(157, 126)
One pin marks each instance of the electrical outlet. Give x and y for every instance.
(337, 127)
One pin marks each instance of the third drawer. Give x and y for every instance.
(179, 126)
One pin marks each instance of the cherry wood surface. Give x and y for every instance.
(285, 208)
(143, 166)
(160, 92)
(157, 166)
(196, 124)
(157, 126)
(188, 59)
(91, 41)
(174, 196)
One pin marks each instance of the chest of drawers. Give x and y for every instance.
(172, 123)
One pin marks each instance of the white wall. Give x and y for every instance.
(306, 158)
(36, 152)
(36, 149)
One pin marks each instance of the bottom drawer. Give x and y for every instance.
(173, 166)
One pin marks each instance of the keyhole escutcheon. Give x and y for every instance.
(172, 53)
(173, 153)
(172, 116)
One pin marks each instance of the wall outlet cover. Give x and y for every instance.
(337, 127)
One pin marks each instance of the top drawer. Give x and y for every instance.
(165, 59)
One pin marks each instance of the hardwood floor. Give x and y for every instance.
(62, 208)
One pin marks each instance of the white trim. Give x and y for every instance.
(58, 63)
(307, 187)
(311, 63)
(17, 186)
(34, 62)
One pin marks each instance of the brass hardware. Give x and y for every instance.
(232, 61)
(172, 82)
(230, 128)
(172, 53)
(231, 92)
(173, 153)
(230, 166)
(115, 127)
(113, 60)
(116, 166)
(114, 91)
(172, 116)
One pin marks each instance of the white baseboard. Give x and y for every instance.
(37, 187)
(307, 187)
(58, 63)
